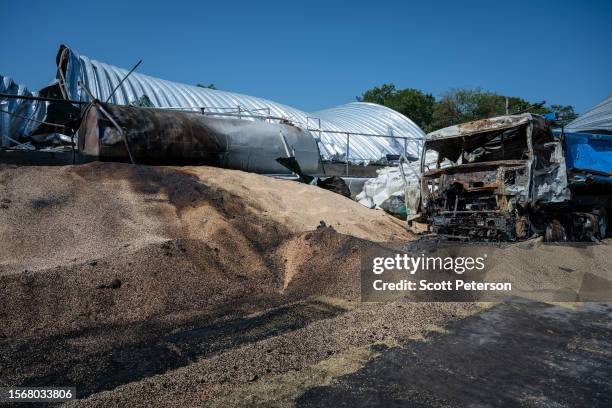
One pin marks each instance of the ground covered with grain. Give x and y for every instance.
(197, 286)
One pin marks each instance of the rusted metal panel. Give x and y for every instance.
(479, 201)
(487, 125)
(473, 167)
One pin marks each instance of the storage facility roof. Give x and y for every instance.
(598, 118)
(355, 117)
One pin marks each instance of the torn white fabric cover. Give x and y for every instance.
(388, 182)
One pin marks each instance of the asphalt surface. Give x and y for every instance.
(513, 355)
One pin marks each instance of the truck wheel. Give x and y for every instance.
(555, 232)
(602, 223)
(521, 228)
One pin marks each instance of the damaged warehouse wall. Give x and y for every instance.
(13, 111)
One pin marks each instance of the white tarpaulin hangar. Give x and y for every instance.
(366, 123)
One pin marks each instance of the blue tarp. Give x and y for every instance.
(587, 152)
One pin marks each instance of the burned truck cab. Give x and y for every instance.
(483, 179)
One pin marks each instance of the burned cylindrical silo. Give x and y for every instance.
(172, 137)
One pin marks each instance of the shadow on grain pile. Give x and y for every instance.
(143, 311)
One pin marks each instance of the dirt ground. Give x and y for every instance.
(198, 286)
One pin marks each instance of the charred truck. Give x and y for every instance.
(510, 177)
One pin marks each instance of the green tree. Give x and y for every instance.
(464, 105)
(379, 94)
(410, 102)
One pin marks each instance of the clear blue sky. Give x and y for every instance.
(315, 54)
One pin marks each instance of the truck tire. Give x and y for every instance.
(555, 232)
(602, 223)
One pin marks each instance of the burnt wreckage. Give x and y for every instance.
(111, 113)
(509, 177)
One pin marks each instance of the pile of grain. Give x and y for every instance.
(108, 243)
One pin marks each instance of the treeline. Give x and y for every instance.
(457, 105)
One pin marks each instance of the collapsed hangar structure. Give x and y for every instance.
(145, 119)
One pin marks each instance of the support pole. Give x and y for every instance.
(123, 80)
(347, 152)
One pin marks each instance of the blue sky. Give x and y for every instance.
(317, 54)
